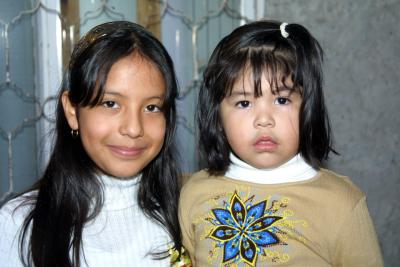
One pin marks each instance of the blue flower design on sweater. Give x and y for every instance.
(243, 230)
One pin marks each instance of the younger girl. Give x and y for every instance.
(264, 199)
(108, 196)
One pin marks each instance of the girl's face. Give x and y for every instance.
(126, 130)
(263, 131)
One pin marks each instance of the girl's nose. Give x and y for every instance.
(131, 124)
(264, 117)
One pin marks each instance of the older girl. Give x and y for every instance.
(108, 196)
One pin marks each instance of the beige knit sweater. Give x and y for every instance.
(323, 221)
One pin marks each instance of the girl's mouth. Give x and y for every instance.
(127, 152)
(265, 144)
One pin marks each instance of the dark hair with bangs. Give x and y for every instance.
(69, 187)
(261, 47)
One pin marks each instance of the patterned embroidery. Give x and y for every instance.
(246, 232)
(184, 260)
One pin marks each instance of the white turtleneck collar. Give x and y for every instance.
(294, 170)
(119, 194)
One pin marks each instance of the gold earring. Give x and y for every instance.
(74, 133)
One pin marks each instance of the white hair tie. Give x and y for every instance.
(282, 27)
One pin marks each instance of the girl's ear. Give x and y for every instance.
(70, 111)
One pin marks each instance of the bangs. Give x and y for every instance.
(96, 93)
(90, 68)
(278, 66)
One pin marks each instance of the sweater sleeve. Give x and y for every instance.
(357, 243)
(10, 223)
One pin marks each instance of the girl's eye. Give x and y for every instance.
(153, 108)
(110, 104)
(282, 101)
(243, 104)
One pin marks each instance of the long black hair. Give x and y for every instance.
(68, 193)
(261, 46)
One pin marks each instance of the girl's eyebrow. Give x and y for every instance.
(284, 89)
(239, 92)
(112, 93)
(160, 96)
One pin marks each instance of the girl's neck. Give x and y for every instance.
(119, 193)
(295, 170)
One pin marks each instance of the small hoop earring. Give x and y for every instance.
(74, 133)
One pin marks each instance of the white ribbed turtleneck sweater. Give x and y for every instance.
(120, 236)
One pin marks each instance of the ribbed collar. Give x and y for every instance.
(119, 194)
(294, 170)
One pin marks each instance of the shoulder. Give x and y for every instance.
(13, 212)
(340, 187)
(199, 180)
(339, 181)
(198, 177)
(12, 216)
(201, 185)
